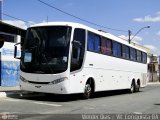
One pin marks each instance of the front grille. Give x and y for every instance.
(33, 82)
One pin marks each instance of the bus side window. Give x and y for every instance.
(139, 56)
(78, 48)
(125, 52)
(94, 42)
(144, 58)
(133, 54)
(117, 50)
(106, 47)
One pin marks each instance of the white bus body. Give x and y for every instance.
(98, 72)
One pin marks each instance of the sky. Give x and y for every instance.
(121, 15)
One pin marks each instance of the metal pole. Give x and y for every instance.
(159, 66)
(152, 72)
(139, 31)
(159, 71)
(129, 35)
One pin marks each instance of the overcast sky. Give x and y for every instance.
(116, 14)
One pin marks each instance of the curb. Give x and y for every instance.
(3, 94)
(9, 94)
(19, 94)
(153, 83)
(7, 91)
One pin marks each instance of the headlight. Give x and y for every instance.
(23, 79)
(58, 80)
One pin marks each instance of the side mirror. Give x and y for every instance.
(17, 51)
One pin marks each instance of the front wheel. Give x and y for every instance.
(87, 91)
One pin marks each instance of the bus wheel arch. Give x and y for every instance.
(89, 88)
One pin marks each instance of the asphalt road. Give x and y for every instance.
(40, 106)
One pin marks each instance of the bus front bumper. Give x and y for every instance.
(60, 88)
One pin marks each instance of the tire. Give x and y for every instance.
(137, 88)
(133, 87)
(88, 91)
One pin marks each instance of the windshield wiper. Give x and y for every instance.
(40, 72)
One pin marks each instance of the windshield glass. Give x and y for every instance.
(45, 50)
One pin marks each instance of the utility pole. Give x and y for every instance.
(159, 72)
(152, 67)
(159, 67)
(129, 35)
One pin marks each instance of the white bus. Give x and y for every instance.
(68, 58)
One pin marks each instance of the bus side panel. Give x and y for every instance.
(112, 73)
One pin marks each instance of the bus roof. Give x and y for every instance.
(102, 33)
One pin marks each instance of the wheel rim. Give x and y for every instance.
(87, 90)
(132, 88)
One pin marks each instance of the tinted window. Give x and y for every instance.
(1, 41)
(133, 54)
(117, 51)
(46, 50)
(125, 52)
(8, 38)
(93, 42)
(139, 56)
(106, 46)
(78, 49)
(144, 57)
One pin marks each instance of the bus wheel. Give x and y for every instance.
(133, 87)
(87, 91)
(138, 86)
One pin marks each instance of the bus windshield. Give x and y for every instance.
(45, 50)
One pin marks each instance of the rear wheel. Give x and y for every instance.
(138, 86)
